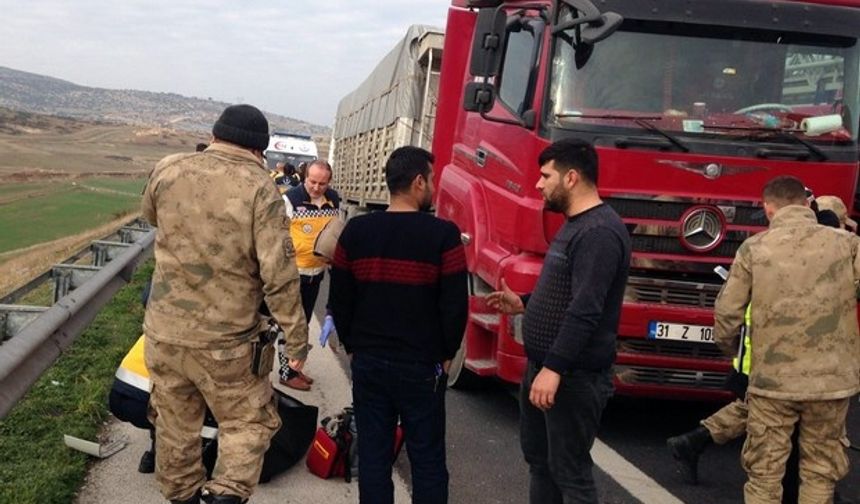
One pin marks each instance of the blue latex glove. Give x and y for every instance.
(327, 329)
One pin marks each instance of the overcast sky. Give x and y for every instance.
(296, 58)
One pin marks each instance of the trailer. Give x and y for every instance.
(393, 107)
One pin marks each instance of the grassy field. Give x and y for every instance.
(131, 186)
(36, 213)
(70, 398)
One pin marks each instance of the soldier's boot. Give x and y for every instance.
(687, 448)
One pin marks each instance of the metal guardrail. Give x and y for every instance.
(33, 337)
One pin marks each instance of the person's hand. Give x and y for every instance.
(543, 389)
(446, 365)
(296, 364)
(327, 330)
(505, 300)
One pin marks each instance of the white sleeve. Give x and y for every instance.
(288, 205)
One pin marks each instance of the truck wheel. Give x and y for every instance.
(459, 377)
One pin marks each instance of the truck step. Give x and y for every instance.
(489, 321)
(482, 367)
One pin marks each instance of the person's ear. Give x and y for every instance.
(769, 210)
(571, 177)
(419, 182)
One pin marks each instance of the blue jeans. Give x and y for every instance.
(557, 443)
(382, 391)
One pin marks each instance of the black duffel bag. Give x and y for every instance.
(290, 443)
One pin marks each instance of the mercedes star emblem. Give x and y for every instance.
(702, 229)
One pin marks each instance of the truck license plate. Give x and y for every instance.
(680, 332)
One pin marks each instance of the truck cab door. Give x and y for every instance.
(502, 142)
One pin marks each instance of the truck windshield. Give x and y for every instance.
(709, 80)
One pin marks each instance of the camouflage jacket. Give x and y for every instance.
(801, 279)
(222, 246)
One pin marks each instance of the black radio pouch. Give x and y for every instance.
(263, 352)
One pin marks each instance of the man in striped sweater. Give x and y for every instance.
(399, 301)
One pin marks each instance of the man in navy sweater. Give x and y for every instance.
(569, 328)
(399, 300)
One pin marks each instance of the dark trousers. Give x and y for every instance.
(129, 404)
(557, 443)
(382, 391)
(310, 289)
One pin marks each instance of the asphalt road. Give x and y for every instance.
(487, 467)
(486, 464)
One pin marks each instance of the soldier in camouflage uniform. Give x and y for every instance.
(222, 247)
(801, 278)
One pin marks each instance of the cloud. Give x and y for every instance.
(296, 58)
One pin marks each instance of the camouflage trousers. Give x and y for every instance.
(822, 444)
(186, 380)
(728, 423)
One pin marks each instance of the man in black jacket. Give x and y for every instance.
(569, 327)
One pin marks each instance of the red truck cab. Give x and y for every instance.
(692, 107)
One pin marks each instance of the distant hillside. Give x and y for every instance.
(47, 95)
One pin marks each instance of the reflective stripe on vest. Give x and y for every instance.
(133, 379)
(133, 370)
(741, 362)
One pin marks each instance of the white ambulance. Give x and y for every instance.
(290, 148)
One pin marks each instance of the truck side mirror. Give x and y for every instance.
(590, 27)
(488, 42)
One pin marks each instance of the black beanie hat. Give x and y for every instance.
(243, 125)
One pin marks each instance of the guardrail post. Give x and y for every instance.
(105, 251)
(13, 318)
(131, 234)
(68, 277)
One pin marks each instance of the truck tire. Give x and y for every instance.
(459, 377)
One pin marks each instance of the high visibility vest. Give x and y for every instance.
(741, 362)
(133, 370)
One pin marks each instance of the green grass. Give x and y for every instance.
(40, 296)
(70, 398)
(35, 220)
(132, 186)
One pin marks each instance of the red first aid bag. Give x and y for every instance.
(333, 451)
(325, 457)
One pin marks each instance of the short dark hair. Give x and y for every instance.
(572, 154)
(404, 164)
(784, 190)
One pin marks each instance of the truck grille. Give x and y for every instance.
(672, 245)
(654, 223)
(669, 349)
(671, 292)
(640, 375)
(648, 208)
